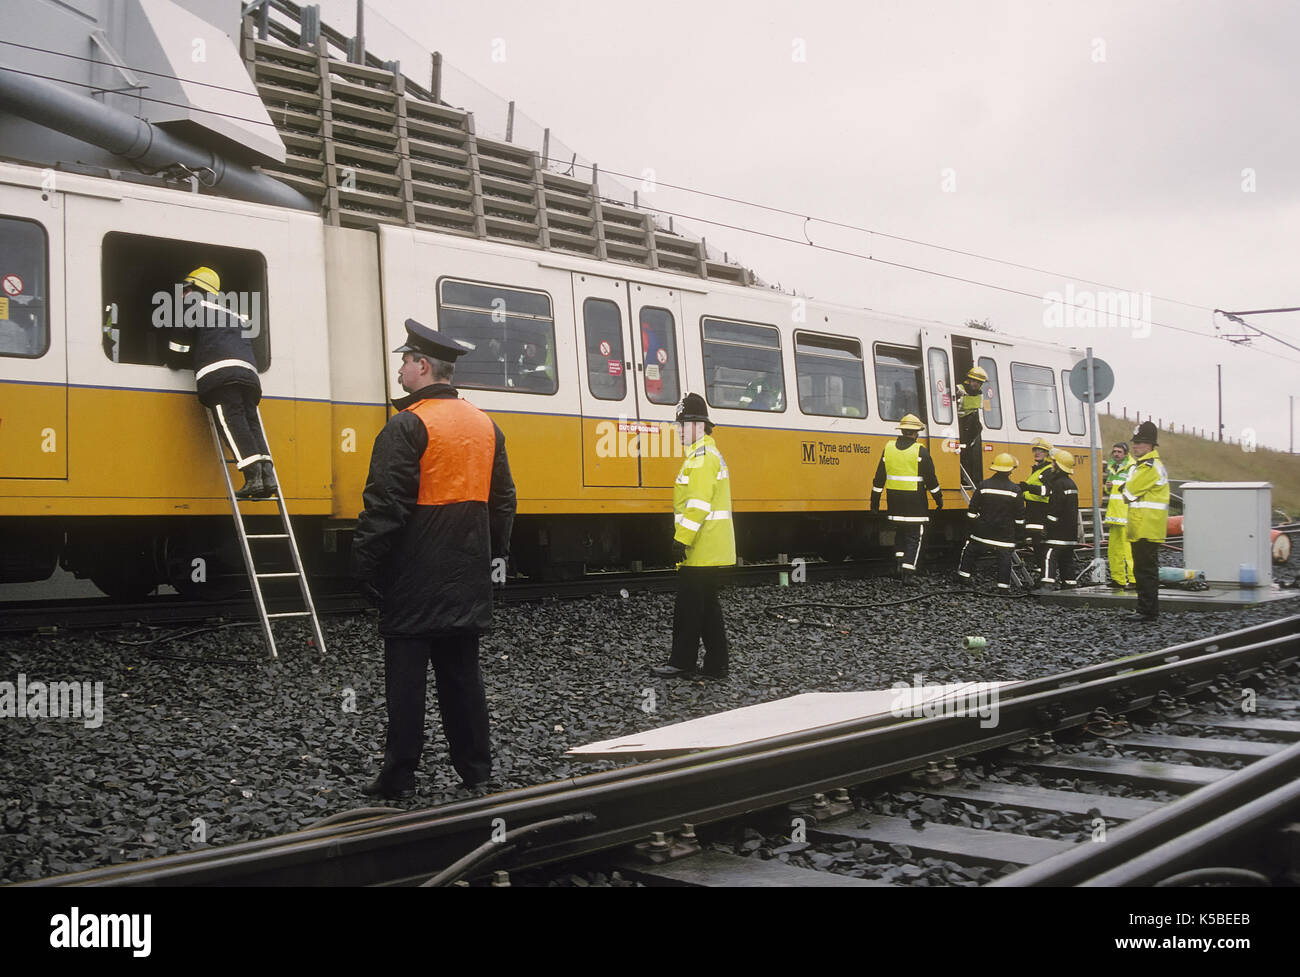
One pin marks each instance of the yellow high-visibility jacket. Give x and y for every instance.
(702, 508)
(1116, 507)
(1147, 493)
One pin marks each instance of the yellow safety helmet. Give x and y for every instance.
(1042, 444)
(910, 422)
(205, 278)
(977, 374)
(1003, 463)
(1064, 460)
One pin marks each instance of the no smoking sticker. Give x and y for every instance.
(13, 285)
(604, 347)
(662, 356)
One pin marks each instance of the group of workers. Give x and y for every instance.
(1040, 513)
(439, 504)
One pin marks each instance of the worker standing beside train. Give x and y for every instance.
(907, 471)
(704, 545)
(214, 342)
(997, 507)
(439, 507)
(1118, 550)
(1146, 490)
(969, 426)
(1062, 534)
(1036, 498)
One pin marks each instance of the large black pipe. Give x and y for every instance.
(147, 146)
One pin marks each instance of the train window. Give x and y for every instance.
(512, 331)
(742, 365)
(141, 280)
(24, 297)
(992, 398)
(659, 353)
(1074, 419)
(1033, 389)
(603, 325)
(832, 380)
(898, 382)
(940, 385)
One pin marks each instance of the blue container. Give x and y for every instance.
(1246, 575)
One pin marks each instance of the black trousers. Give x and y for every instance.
(1058, 566)
(975, 548)
(235, 407)
(972, 460)
(461, 700)
(907, 545)
(1146, 568)
(697, 616)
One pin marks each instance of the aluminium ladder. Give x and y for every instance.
(247, 539)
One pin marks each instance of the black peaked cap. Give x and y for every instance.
(429, 342)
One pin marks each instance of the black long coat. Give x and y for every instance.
(431, 563)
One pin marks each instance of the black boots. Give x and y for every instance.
(259, 482)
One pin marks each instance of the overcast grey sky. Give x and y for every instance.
(1145, 146)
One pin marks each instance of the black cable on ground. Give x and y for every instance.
(164, 638)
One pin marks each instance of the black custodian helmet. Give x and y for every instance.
(693, 408)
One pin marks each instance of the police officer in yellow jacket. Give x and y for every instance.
(704, 545)
(907, 472)
(1146, 490)
(1118, 550)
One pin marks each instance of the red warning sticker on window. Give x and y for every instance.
(604, 347)
(13, 285)
(615, 368)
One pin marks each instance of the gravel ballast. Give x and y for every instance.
(192, 754)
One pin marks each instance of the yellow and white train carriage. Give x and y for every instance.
(106, 462)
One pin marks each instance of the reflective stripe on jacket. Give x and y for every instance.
(1116, 507)
(702, 508)
(1146, 490)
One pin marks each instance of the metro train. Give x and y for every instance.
(107, 466)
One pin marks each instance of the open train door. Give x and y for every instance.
(33, 334)
(941, 401)
(989, 357)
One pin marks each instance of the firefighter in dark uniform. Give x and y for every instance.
(969, 426)
(216, 343)
(1061, 535)
(907, 471)
(996, 507)
(1036, 498)
(439, 506)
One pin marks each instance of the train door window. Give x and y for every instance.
(992, 395)
(143, 307)
(742, 365)
(511, 329)
(603, 326)
(940, 385)
(1033, 389)
(1074, 418)
(659, 354)
(24, 295)
(832, 379)
(898, 382)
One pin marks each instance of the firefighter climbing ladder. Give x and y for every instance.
(248, 540)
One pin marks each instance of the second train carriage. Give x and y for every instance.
(106, 464)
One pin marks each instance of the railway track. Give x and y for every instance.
(17, 617)
(808, 776)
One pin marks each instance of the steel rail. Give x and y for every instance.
(1180, 834)
(631, 802)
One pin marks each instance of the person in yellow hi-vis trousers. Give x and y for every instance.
(704, 545)
(1118, 549)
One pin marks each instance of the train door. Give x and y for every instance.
(629, 335)
(33, 335)
(941, 399)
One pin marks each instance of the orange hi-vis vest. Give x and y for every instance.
(457, 464)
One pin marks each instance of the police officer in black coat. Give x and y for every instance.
(220, 350)
(439, 506)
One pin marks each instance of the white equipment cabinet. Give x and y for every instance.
(1226, 525)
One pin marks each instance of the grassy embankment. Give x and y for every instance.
(1190, 458)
